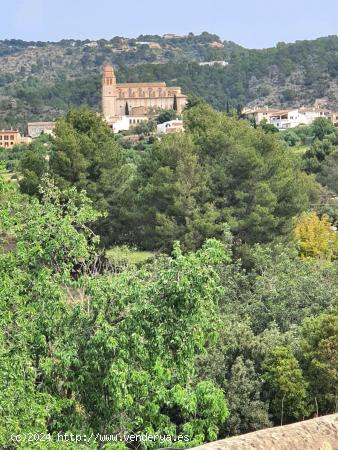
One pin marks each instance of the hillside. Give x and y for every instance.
(40, 80)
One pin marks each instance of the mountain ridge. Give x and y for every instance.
(41, 80)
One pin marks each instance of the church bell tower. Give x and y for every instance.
(109, 94)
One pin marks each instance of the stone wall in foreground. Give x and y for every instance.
(315, 434)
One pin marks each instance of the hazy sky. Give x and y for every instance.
(252, 23)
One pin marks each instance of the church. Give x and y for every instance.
(137, 101)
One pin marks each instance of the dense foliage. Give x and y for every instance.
(230, 327)
(184, 187)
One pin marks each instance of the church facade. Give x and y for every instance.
(137, 99)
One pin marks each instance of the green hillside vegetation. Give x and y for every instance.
(194, 345)
(187, 290)
(183, 187)
(42, 80)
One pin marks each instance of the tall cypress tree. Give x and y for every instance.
(175, 103)
(126, 109)
(239, 110)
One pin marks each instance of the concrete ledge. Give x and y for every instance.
(315, 434)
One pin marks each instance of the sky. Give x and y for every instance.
(251, 23)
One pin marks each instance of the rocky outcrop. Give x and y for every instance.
(315, 434)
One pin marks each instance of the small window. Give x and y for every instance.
(12, 137)
(0, 138)
(6, 138)
(12, 143)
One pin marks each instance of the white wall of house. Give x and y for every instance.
(288, 119)
(172, 126)
(121, 125)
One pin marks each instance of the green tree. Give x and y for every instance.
(243, 391)
(269, 127)
(328, 171)
(175, 103)
(319, 353)
(315, 156)
(284, 289)
(175, 197)
(286, 385)
(255, 182)
(322, 127)
(291, 138)
(101, 351)
(166, 115)
(51, 237)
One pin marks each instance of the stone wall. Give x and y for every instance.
(315, 434)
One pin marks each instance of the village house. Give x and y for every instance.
(35, 129)
(334, 118)
(286, 118)
(259, 114)
(9, 138)
(172, 126)
(214, 63)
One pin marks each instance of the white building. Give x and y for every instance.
(172, 126)
(286, 118)
(35, 129)
(92, 44)
(172, 36)
(124, 123)
(259, 114)
(214, 63)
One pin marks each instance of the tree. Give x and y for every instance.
(175, 103)
(239, 110)
(128, 361)
(286, 385)
(174, 197)
(243, 390)
(33, 164)
(319, 353)
(86, 155)
(102, 351)
(194, 100)
(51, 237)
(268, 127)
(315, 237)
(250, 175)
(166, 115)
(126, 109)
(290, 137)
(315, 156)
(327, 175)
(322, 127)
(283, 288)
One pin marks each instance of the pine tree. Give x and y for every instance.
(175, 103)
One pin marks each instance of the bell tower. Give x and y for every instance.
(109, 92)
